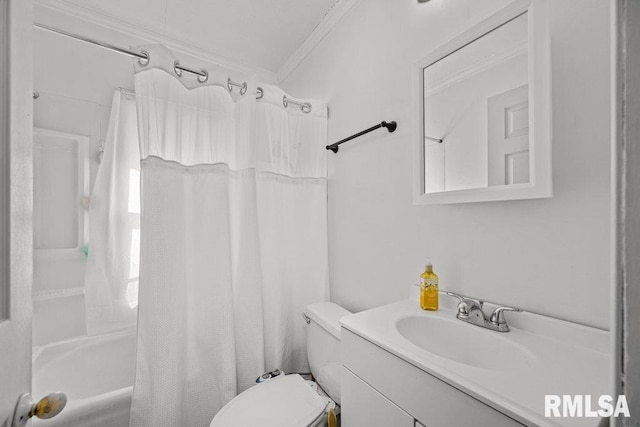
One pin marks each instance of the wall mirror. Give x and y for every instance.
(483, 112)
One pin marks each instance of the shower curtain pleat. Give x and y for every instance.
(234, 241)
(111, 277)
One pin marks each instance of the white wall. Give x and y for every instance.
(548, 256)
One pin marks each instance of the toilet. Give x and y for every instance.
(289, 400)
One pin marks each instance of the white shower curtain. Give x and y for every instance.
(111, 275)
(234, 240)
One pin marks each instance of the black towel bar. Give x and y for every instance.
(391, 126)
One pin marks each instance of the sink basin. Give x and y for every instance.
(461, 342)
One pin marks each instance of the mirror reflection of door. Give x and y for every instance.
(476, 101)
(508, 137)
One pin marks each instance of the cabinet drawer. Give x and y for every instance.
(430, 400)
(362, 406)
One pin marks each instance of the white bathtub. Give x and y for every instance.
(96, 373)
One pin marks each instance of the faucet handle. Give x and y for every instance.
(497, 317)
(466, 304)
(451, 294)
(469, 302)
(463, 305)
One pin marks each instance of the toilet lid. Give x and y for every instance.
(287, 401)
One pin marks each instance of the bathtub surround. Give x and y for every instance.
(111, 278)
(76, 83)
(538, 255)
(233, 243)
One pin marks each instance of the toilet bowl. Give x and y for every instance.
(289, 400)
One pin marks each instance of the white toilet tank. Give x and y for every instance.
(323, 345)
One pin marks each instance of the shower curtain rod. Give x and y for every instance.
(144, 58)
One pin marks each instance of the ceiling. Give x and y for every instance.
(258, 33)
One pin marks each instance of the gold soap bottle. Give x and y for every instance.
(429, 288)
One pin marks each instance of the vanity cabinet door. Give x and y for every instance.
(428, 399)
(362, 406)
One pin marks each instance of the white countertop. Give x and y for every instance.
(563, 358)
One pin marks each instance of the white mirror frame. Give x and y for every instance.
(539, 70)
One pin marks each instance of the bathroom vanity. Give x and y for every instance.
(407, 367)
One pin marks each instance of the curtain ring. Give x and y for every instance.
(305, 107)
(229, 84)
(203, 79)
(144, 61)
(178, 71)
(243, 89)
(260, 93)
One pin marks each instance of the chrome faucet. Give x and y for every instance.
(470, 311)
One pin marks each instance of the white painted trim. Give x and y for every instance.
(617, 209)
(539, 110)
(328, 23)
(485, 194)
(17, 123)
(79, 11)
(626, 247)
(4, 162)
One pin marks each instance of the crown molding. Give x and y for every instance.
(328, 23)
(75, 9)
